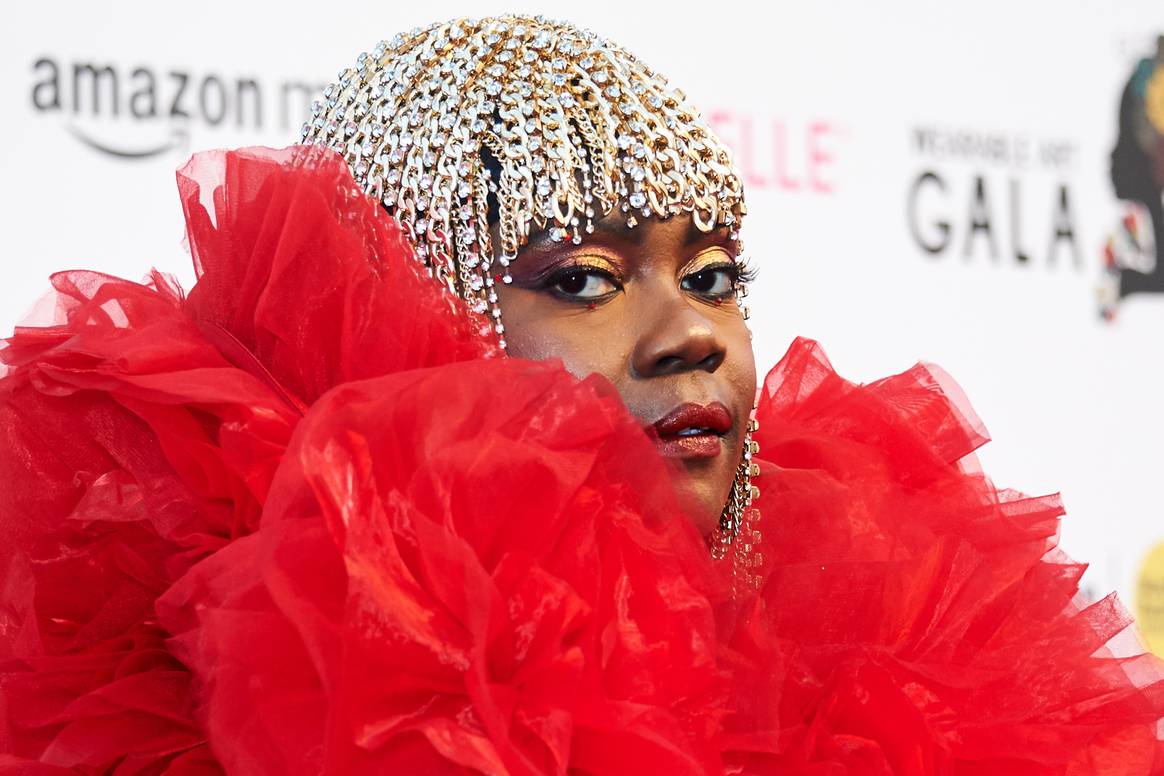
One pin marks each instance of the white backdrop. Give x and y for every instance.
(834, 109)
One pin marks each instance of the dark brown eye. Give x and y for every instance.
(715, 282)
(582, 284)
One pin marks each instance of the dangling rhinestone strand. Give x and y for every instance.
(739, 534)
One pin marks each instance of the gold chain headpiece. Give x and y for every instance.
(536, 123)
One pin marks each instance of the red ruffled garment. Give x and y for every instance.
(307, 521)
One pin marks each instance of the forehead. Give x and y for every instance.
(678, 232)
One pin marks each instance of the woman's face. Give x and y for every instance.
(652, 309)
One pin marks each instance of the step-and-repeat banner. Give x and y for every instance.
(975, 184)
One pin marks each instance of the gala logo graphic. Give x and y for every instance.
(996, 196)
(1134, 253)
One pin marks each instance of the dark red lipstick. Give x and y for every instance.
(692, 430)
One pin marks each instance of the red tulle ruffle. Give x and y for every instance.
(914, 619)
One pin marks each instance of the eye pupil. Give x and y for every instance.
(573, 282)
(704, 281)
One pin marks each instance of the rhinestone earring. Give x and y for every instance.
(739, 523)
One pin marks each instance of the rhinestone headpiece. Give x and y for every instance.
(530, 123)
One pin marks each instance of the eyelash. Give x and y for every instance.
(746, 270)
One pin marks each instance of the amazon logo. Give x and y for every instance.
(141, 111)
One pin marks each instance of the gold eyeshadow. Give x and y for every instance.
(709, 257)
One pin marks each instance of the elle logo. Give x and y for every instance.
(774, 153)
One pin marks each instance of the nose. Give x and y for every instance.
(675, 336)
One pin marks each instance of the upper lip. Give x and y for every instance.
(714, 418)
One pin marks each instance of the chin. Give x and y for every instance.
(702, 502)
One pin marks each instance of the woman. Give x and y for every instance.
(308, 519)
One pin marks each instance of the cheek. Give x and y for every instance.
(585, 341)
(741, 363)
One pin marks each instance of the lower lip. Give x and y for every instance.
(695, 446)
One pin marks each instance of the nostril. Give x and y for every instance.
(711, 362)
(669, 364)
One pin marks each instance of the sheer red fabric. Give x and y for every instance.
(306, 521)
